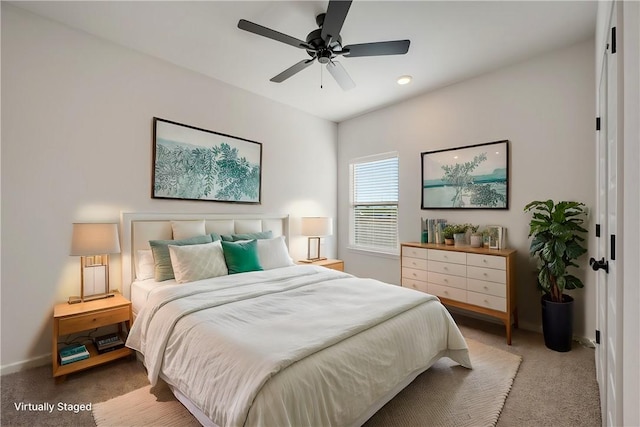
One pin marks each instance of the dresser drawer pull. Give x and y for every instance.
(485, 288)
(446, 280)
(414, 275)
(484, 260)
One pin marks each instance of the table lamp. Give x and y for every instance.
(316, 227)
(93, 242)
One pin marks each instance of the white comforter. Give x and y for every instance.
(301, 345)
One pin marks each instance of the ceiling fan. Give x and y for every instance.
(325, 44)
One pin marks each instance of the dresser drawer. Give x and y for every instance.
(86, 321)
(415, 274)
(488, 261)
(487, 301)
(447, 268)
(447, 256)
(446, 292)
(408, 251)
(420, 264)
(484, 287)
(447, 280)
(418, 285)
(488, 274)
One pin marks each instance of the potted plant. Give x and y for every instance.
(556, 229)
(451, 230)
(448, 232)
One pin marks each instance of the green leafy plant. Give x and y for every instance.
(557, 242)
(452, 229)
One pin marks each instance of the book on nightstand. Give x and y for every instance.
(73, 353)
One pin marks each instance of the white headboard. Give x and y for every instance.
(139, 228)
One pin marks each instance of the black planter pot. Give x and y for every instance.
(557, 323)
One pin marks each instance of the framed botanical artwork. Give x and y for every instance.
(471, 177)
(190, 163)
(496, 236)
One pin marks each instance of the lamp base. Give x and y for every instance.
(310, 260)
(75, 300)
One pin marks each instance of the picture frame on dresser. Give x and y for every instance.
(191, 163)
(469, 177)
(496, 236)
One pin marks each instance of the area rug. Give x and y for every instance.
(445, 395)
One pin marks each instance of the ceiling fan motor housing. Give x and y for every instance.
(320, 49)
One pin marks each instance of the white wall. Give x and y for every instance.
(544, 106)
(76, 146)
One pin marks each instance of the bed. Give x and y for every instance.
(296, 345)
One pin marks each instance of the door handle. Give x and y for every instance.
(597, 265)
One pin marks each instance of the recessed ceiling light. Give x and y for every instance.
(403, 80)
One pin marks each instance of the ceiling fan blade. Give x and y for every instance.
(396, 47)
(292, 70)
(333, 20)
(340, 75)
(272, 34)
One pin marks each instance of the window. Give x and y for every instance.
(373, 224)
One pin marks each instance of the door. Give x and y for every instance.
(608, 351)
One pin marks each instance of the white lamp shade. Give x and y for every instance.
(317, 226)
(94, 239)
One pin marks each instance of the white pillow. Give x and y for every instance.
(197, 262)
(144, 264)
(186, 229)
(273, 253)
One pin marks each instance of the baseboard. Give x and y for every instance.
(35, 362)
(527, 326)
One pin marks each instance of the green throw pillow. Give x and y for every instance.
(241, 256)
(161, 258)
(247, 236)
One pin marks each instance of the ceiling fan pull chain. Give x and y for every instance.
(321, 77)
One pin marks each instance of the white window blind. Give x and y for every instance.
(374, 203)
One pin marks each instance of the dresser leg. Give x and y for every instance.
(507, 324)
(60, 379)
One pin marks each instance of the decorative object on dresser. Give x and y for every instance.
(556, 229)
(470, 177)
(316, 227)
(86, 316)
(334, 264)
(190, 163)
(93, 242)
(474, 279)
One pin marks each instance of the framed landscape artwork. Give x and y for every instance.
(197, 164)
(471, 177)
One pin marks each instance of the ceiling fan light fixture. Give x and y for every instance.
(404, 80)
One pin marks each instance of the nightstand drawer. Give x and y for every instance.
(91, 320)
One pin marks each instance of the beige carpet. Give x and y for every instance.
(445, 395)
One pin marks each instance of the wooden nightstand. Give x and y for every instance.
(73, 318)
(334, 264)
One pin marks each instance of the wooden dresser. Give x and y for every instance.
(474, 279)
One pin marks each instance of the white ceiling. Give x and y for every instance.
(450, 41)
